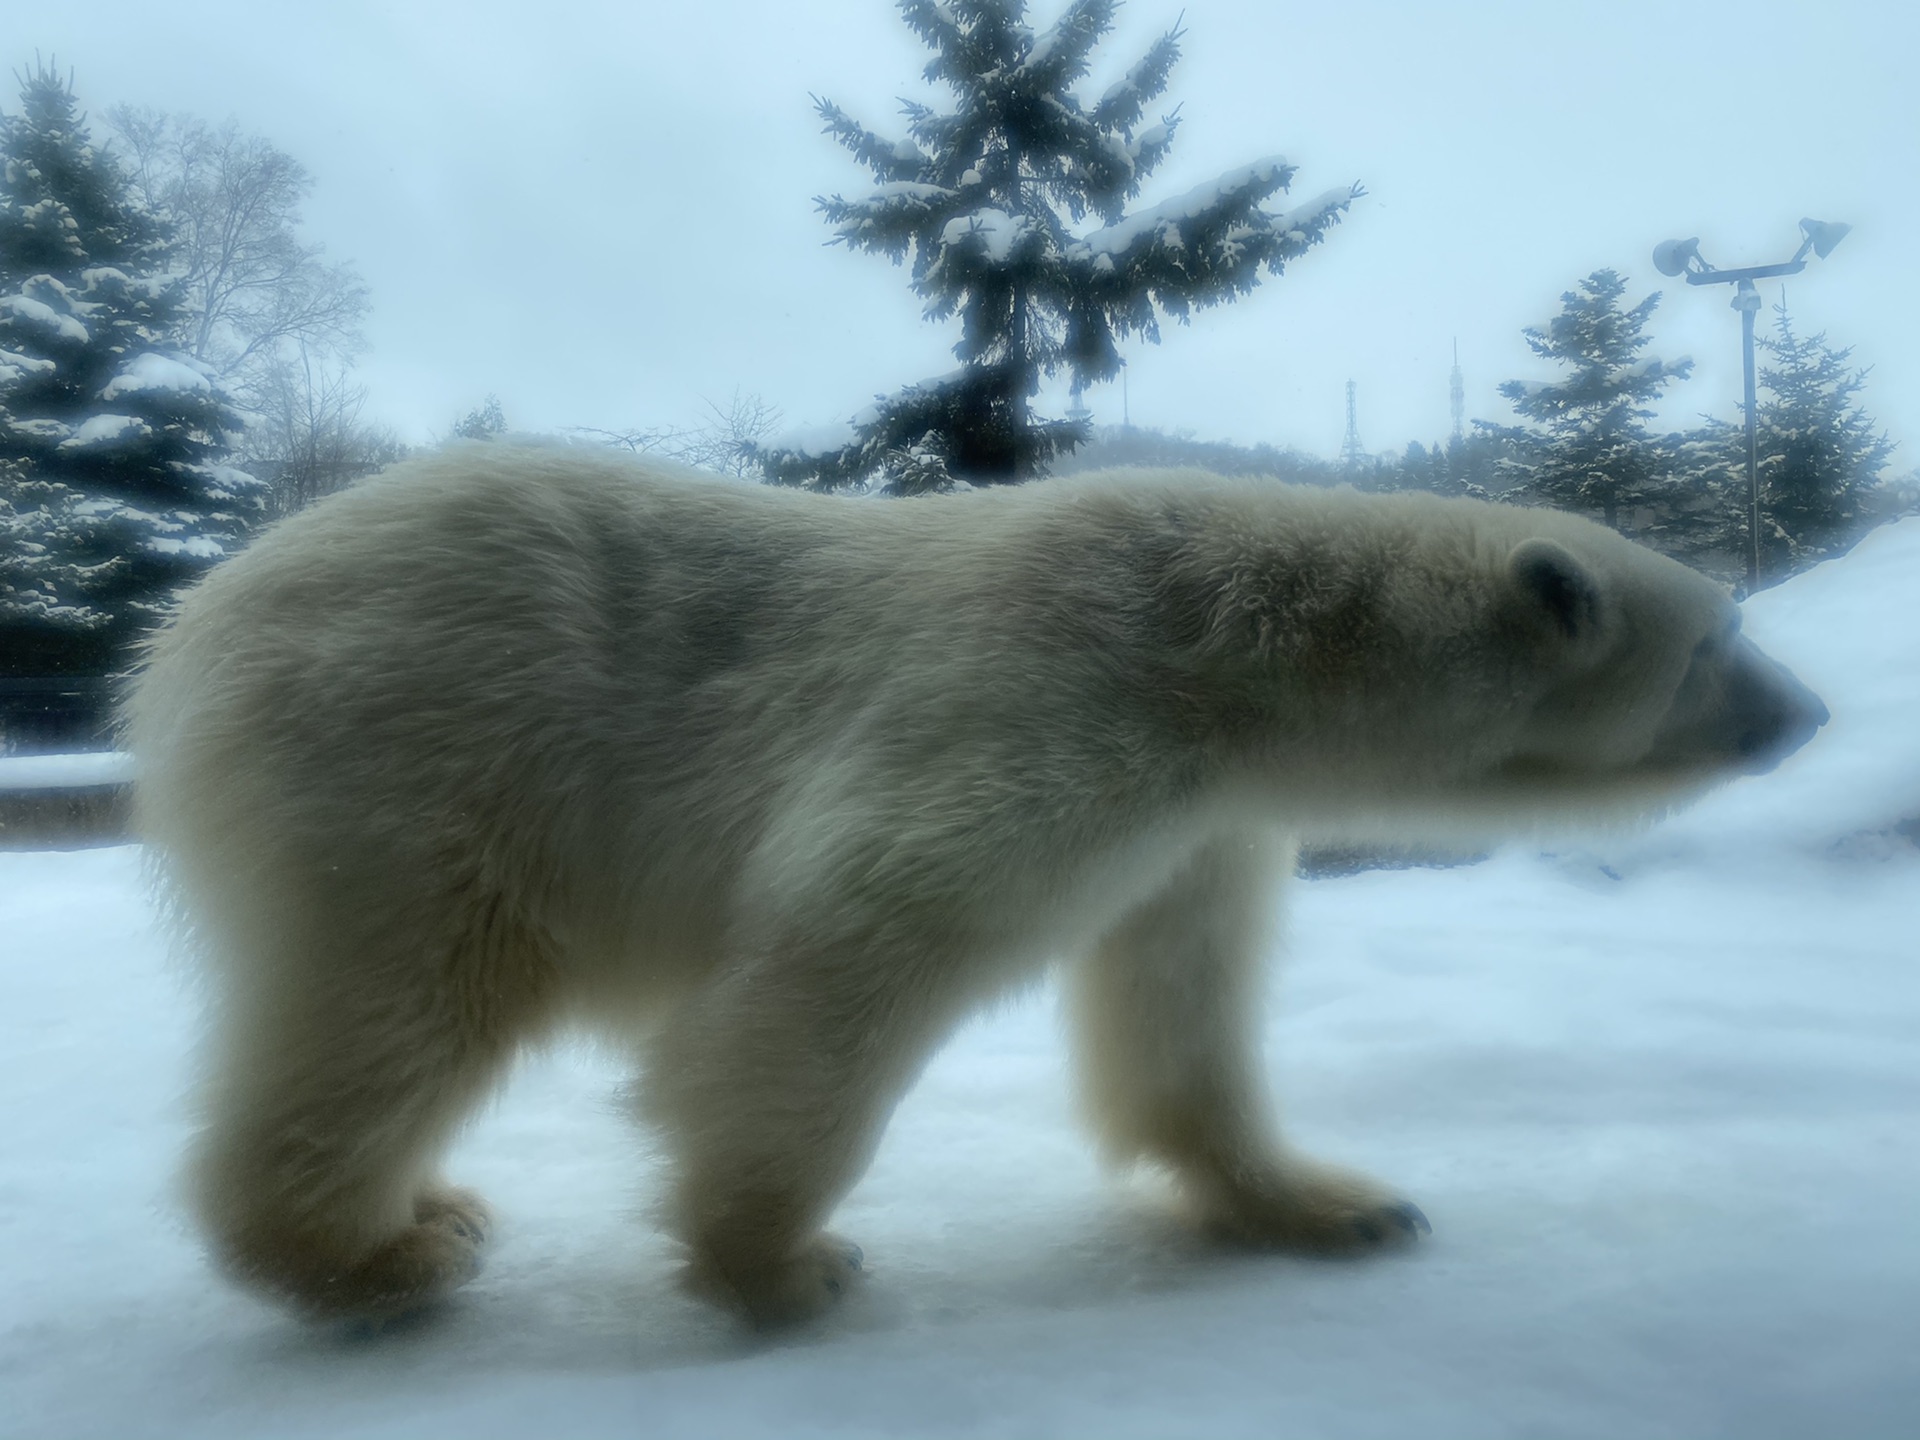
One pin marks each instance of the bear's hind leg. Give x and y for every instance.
(331, 1098)
(1167, 1012)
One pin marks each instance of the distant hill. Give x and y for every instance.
(1117, 445)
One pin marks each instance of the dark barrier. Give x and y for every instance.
(56, 712)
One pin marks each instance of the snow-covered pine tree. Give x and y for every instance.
(112, 493)
(1822, 460)
(1585, 445)
(1821, 454)
(985, 198)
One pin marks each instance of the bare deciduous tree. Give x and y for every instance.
(274, 318)
(252, 284)
(727, 442)
(308, 434)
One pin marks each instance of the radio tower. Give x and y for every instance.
(1352, 453)
(1457, 393)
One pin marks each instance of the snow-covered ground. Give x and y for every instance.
(1660, 1097)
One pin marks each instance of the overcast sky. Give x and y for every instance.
(602, 212)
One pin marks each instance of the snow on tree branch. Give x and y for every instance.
(1122, 103)
(989, 202)
(112, 486)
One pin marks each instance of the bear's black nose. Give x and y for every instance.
(1801, 718)
(1805, 711)
(1782, 715)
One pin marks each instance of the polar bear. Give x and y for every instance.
(782, 786)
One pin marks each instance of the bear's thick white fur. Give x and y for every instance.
(783, 786)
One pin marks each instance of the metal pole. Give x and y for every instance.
(1746, 300)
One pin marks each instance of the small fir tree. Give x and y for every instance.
(1584, 446)
(111, 490)
(1821, 460)
(1011, 207)
(486, 421)
(1821, 454)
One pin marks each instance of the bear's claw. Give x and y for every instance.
(1410, 1218)
(1400, 1221)
(851, 1256)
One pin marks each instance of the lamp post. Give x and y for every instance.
(1682, 257)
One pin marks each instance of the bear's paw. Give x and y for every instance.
(789, 1291)
(1315, 1208)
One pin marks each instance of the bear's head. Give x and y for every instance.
(1408, 661)
(1635, 686)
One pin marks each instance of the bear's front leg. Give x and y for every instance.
(771, 1087)
(1167, 1012)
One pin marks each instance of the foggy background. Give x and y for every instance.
(602, 213)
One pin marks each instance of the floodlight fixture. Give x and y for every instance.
(1673, 257)
(1822, 236)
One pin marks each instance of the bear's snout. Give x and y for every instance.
(1781, 713)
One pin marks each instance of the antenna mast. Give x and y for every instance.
(1457, 393)
(1352, 453)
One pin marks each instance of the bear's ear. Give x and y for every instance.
(1557, 586)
